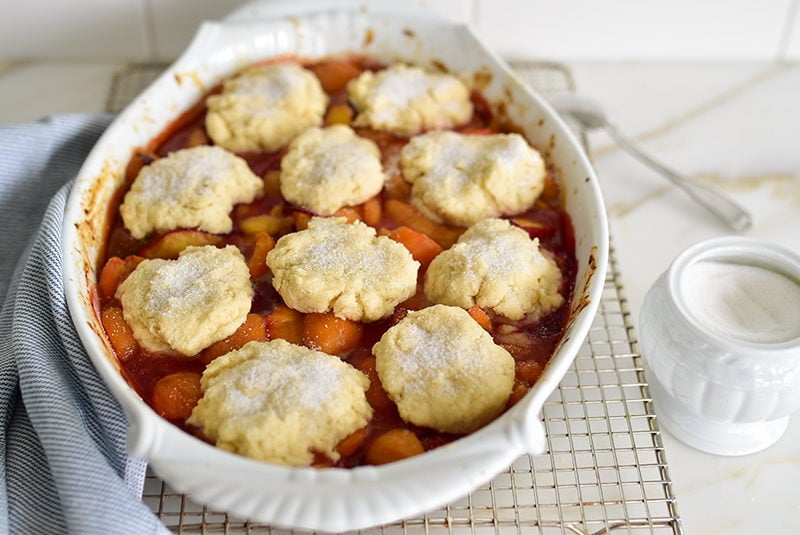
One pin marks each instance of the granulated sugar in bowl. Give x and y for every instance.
(744, 302)
(720, 334)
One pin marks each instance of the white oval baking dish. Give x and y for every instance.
(328, 499)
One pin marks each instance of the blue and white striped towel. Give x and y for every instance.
(65, 469)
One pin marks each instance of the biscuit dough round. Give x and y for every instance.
(264, 107)
(328, 168)
(282, 403)
(443, 370)
(406, 100)
(498, 267)
(343, 267)
(460, 179)
(189, 188)
(189, 303)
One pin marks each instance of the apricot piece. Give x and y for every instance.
(286, 323)
(349, 213)
(480, 315)
(550, 191)
(197, 137)
(421, 247)
(350, 444)
(331, 334)
(114, 272)
(335, 74)
(257, 264)
(339, 114)
(120, 334)
(535, 229)
(393, 445)
(253, 329)
(140, 158)
(170, 244)
(175, 395)
(271, 224)
(372, 211)
(396, 186)
(301, 220)
(404, 214)
(376, 395)
(272, 182)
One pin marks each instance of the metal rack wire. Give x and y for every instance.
(605, 470)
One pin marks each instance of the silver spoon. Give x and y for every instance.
(591, 116)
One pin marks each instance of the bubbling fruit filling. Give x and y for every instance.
(412, 290)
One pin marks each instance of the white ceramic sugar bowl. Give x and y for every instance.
(720, 335)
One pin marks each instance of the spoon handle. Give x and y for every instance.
(715, 201)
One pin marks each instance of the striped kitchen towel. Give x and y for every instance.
(65, 469)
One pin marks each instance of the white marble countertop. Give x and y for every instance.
(733, 124)
(736, 126)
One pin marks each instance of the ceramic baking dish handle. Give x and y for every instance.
(534, 435)
(143, 433)
(527, 429)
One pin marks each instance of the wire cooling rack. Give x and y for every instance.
(604, 471)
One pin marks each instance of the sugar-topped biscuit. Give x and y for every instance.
(264, 107)
(498, 267)
(443, 370)
(461, 179)
(282, 403)
(342, 267)
(328, 168)
(406, 100)
(187, 304)
(189, 188)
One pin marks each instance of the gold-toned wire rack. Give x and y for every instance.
(605, 470)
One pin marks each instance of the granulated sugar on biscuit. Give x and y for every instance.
(279, 402)
(498, 267)
(187, 304)
(443, 370)
(460, 179)
(264, 107)
(342, 267)
(407, 100)
(189, 188)
(328, 168)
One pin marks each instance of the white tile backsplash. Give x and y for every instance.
(792, 45)
(558, 30)
(73, 29)
(633, 29)
(175, 21)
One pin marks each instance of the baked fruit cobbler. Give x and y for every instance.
(336, 263)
